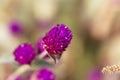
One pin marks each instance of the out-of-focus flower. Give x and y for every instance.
(24, 53)
(15, 28)
(57, 39)
(95, 74)
(39, 46)
(18, 78)
(45, 74)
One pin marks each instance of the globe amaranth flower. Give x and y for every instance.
(24, 53)
(39, 46)
(15, 27)
(95, 74)
(45, 74)
(57, 39)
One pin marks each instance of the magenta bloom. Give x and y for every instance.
(39, 46)
(15, 28)
(95, 74)
(18, 78)
(57, 39)
(45, 74)
(24, 53)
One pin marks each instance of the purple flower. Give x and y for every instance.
(15, 28)
(57, 39)
(24, 53)
(18, 78)
(39, 46)
(95, 74)
(45, 74)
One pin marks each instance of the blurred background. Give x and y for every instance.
(96, 36)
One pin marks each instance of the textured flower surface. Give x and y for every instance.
(24, 53)
(45, 74)
(57, 39)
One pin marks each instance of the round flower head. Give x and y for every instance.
(24, 53)
(15, 28)
(95, 74)
(39, 46)
(57, 39)
(45, 74)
